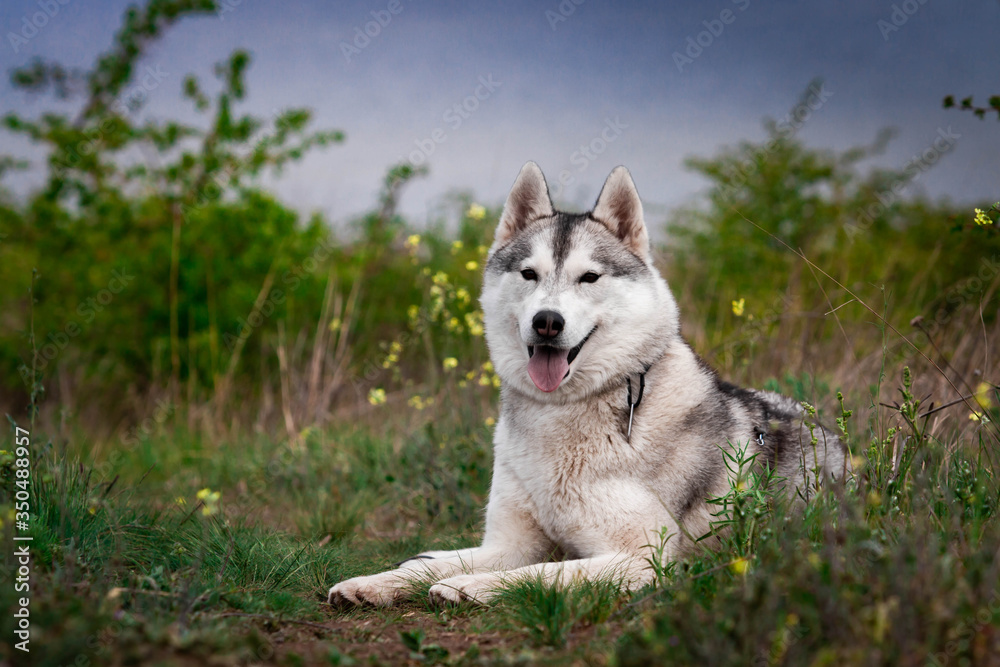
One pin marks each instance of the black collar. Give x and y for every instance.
(632, 406)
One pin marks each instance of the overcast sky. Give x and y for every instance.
(630, 82)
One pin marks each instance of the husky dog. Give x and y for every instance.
(611, 428)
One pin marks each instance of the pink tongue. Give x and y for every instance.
(547, 367)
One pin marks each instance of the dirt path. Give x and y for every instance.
(464, 640)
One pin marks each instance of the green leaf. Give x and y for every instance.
(412, 639)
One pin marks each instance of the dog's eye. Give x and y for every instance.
(589, 277)
(528, 274)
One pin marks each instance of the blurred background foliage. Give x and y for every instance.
(166, 271)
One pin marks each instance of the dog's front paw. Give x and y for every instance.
(479, 588)
(380, 590)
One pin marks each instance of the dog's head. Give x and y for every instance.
(572, 301)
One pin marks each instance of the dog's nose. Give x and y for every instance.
(548, 323)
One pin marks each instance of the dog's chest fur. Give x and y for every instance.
(584, 475)
(591, 488)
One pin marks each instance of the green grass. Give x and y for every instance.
(892, 568)
(548, 613)
(124, 548)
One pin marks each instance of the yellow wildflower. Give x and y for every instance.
(412, 241)
(471, 265)
(738, 307)
(456, 246)
(474, 321)
(490, 421)
(739, 566)
(982, 395)
(982, 218)
(449, 363)
(476, 212)
(210, 501)
(376, 396)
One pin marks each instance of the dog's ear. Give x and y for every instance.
(527, 202)
(618, 208)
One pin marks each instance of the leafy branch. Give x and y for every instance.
(968, 105)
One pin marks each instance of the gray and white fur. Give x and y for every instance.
(576, 317)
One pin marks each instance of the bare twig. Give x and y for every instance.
(895, 406)
(191, 513)
(222, 390)
(319, 347)
(286, 406)
(886, 322)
